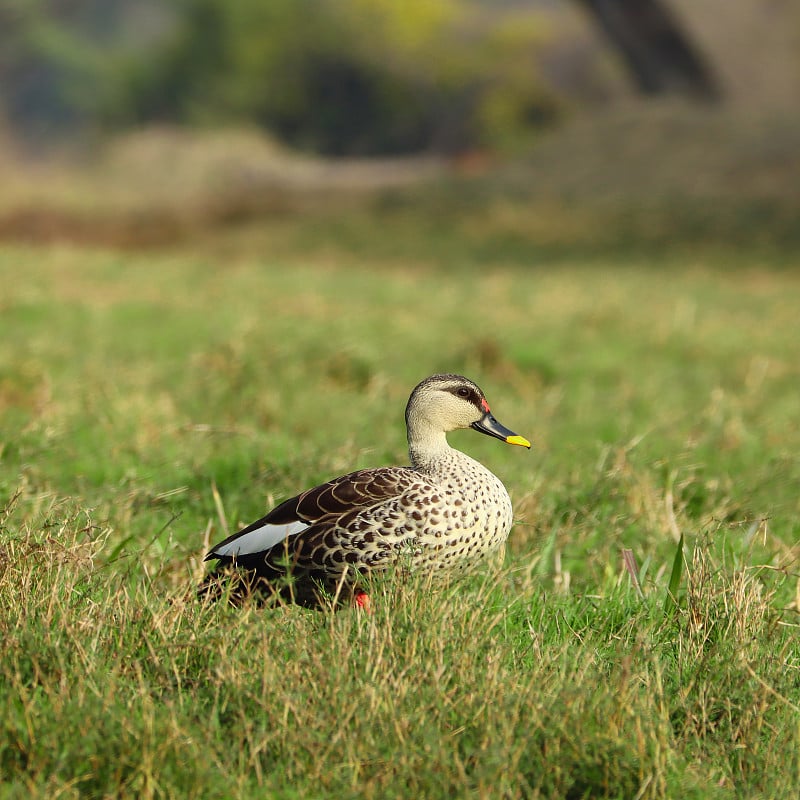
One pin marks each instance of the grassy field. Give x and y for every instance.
(151, 402)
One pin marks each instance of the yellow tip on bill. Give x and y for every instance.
(520, 440)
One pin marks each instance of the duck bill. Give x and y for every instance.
(491, 427)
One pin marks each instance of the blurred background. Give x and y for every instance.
(588, 124)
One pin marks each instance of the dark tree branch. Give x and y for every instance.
(658, 52)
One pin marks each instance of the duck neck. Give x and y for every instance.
(427, 447)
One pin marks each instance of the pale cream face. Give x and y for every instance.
(446, 403)
(446, 410)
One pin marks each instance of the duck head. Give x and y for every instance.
(445, 403)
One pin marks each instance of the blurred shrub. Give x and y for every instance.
(341, 77)
(47, 68)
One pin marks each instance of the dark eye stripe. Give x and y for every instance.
(472, 396)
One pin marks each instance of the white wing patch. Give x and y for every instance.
(257, 541)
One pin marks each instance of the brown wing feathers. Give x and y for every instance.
(324, 507)
(355, 491)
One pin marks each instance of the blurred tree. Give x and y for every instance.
(56, 61)
(355, 77)
(657, 50)
(32, 92)
(341, 77)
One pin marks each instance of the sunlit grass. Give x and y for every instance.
(493, 686)
(150, 401)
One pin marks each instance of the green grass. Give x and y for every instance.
(150, 402)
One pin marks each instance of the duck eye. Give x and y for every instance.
(463, 392)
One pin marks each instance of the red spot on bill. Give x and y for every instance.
(484, 405)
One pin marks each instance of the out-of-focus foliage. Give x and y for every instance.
(48, 65)
(334, 76)
(362, 76)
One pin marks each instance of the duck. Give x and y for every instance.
(443, 513)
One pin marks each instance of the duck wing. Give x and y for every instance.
(306, 530)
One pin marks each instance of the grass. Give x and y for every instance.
(153, 401)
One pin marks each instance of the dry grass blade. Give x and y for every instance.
(629, 561)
